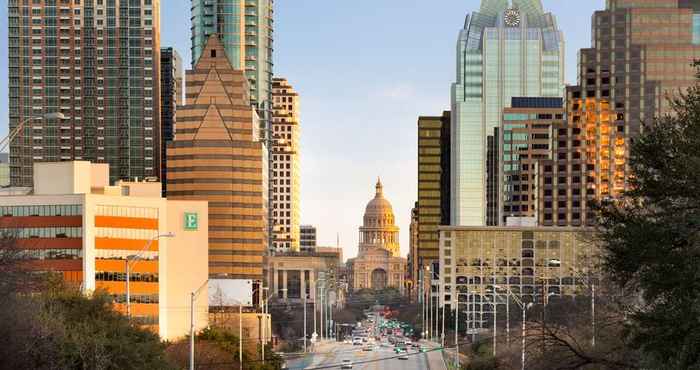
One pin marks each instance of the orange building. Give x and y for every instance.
(217, 156)
(75, 224)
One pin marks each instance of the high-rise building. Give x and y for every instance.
(503, 51)
(245, 29)
(523, 141)
(433, 186)
(217, 155)
(307, 237)
(285, 171)
(170, 98)
(642, 51)
(98, 63)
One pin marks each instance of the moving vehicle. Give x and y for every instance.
(403, 357)
(347, 364)
(356, 341)
(367, 349)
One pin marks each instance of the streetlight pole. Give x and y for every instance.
(193, 297)
(304, 321)
(132, 259)
(524, 308)
(7, 140)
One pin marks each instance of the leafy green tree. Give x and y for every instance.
(651, 238)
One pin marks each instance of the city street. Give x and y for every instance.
(331, 355)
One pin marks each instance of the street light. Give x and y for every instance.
(11, 136)
(524, 307)
(132, 260)
(193, 296)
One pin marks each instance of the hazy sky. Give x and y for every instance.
(365, 70)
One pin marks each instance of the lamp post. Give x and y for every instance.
(13, 133)
(524, 308)
(193, 297)
(131, 260)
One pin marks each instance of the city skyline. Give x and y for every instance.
(304, 56)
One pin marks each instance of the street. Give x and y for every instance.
(330, 355)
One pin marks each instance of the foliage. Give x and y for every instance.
(651, 238)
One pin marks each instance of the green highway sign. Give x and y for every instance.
(191, 221)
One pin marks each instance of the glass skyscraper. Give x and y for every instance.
(245, 29)
(504, 51)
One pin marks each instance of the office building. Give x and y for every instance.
(434, 151)
(217, 156)
(298, 272)
(97, 63)
(75, 224)
(642, 51)
(523, 141)
(307, 237)
(4, 169)
(170, 98)
(503, 51)
(378, 264)
(245, 29)
(482, 264)
(285, 171)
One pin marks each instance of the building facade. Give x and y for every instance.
(480, 265)
(433, 209)
(502, 51)
(523, 141)
(245, 29)
(285, 171)
(293, 276)
(307, 237)
(217, 156)
(4, 170)
(378, 264)
(74, 224)
(170, 98)
(98, 63)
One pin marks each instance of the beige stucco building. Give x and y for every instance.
(299, 272)
(378, 265)
(75, 224)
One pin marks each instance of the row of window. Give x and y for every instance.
(52, 254)
(121, 276)
(126, 211)
(136, 298)
(44, 232)
(41, 210)
(119, 233)
(122, 254)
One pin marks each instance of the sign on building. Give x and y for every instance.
(191, 221)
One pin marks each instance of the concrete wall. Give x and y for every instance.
(186, 268)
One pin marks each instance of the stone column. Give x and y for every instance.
(275, 284)
(284, 284)
(312, 287)
(303, 284)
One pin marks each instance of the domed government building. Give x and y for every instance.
(378, 264)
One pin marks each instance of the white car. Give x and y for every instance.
(347, 364)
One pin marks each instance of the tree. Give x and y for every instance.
(651, 238)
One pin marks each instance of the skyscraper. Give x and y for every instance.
(245, 30)
(97, 63)
(217, 156)
(502, 52)
(170, 98)
(285, 167)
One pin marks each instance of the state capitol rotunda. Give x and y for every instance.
(378, 264)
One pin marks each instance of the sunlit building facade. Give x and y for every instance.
(504, 50)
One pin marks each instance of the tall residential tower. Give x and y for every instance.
(245, 30)
(503, 51)
(97, 63)
(285, 167)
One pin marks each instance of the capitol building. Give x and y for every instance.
(378, 264)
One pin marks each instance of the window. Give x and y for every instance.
(213, 53)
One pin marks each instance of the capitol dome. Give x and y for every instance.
(378, 229)
(378, 211)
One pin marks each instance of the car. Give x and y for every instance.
(403, 357)
(367, 349)
(346, 364)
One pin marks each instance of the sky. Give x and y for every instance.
(365, 70)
